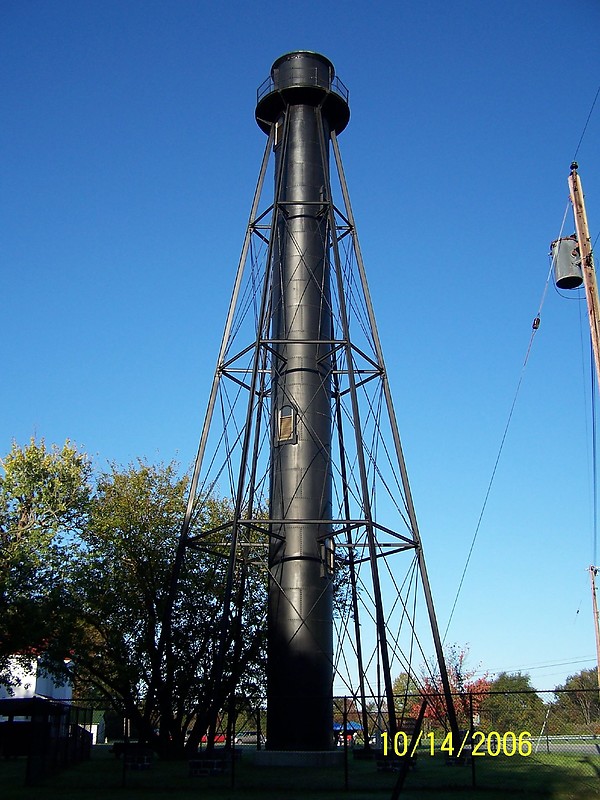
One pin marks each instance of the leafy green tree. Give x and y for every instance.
(44, 504)
(578, 700)
(123, 598)
(512, 705)
(404, 688)
(97, 571)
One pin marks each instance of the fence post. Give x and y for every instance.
(125, 749)
(412, 746)
(230, 735)
(258, 729)
(472, 731)
(345, 743)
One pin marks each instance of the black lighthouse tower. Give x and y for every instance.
(301, 434)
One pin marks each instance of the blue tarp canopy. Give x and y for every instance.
(350, 726)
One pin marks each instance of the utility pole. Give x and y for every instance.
(593, 573)
(587, 262)
(591, 295)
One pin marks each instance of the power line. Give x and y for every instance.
(534, 329)
(586, 125)
(547, 665)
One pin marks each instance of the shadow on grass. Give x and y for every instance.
(535, 778)
(560, 777)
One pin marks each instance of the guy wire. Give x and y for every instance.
(534, 329)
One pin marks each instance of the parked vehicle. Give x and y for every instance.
(248, 737)
(219, 738)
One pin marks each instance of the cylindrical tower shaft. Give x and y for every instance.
(322, 399)
(300, 614)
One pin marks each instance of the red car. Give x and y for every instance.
(219, 738)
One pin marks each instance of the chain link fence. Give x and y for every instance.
(48, 735)
(534, 743)
(522, 742)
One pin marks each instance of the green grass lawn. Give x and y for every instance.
(533, 778)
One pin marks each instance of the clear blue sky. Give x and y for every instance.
(129, 159)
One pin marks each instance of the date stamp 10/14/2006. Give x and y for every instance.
(476, 744)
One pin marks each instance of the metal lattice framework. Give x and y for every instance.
(371, 543)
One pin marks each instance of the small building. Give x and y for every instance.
(29, 679)
(39, 721)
